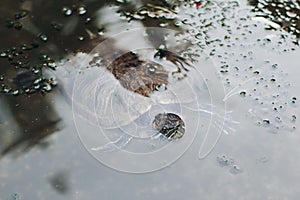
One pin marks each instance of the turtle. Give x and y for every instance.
(142, 93)
(146, 83)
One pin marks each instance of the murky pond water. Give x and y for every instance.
(82, 85)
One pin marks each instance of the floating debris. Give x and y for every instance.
(226, 162)
(235, 169)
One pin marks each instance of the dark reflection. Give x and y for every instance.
(60, 182)
(36, 120)
(24, 80)
(284, 13)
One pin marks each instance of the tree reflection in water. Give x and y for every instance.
(35, 36)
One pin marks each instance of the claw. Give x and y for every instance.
(173, 58)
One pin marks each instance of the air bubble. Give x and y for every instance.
(235, 169)
(223, 161)
(36, 87)
(37, 81)
(36, 70)
(291, 14)
(151, 69)
(15, 92)
(160, 88)
(274, 66)
(6, 89)
(243, 94)
(81, 10)
(25, 47)
(67, 11)
(43, 37)
(21, 14)
(3, 54)
(178, 23)
(52, 65)
(44, 57)
(52, 82)
(163, 24)
(88, 20)
(278, 119)
(101, 31)
(47, 87)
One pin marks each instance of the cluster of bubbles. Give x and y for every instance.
(235, 40)
(26, 63)
(225, 162)
(151, 13)
(30, 78)
(285, 13)
(16, 21)
(68, 11)
(80, 10)
(166, 12)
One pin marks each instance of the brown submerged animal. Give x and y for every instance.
(142, 77)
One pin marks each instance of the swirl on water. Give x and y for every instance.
(120, 93)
